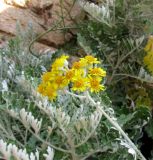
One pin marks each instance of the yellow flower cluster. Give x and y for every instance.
(83, 75)
(148, 59)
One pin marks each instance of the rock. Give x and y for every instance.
(42, 48)
(18, 3)
(40, 4)
(42, 15)
(37, 47)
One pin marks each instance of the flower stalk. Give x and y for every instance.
(116, 125)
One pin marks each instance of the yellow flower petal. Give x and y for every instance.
(80, 84)
(47, 76)
(95, 86)
(69, 75)
(50, 92)
(91, 60)
(60, 62)
(97, 72)
(78, 65)
(61, 82)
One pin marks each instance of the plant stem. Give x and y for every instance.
(116, 125)
(70, 142)
(54, 28)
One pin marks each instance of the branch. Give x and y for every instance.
(116, 125)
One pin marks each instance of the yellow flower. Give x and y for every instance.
(46, 89)
(149, 46)
(80, 84)
(79, 73)
(60, 81)
(60, 63)
(69, 74)
(81, 76)
(78, 65)
(94, 85)
(97, 72)
(50, 92)
(41, 88)
(47, 76)
(148, 61)
(91, 60)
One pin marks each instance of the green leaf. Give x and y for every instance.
(124, 119)
(149, 128)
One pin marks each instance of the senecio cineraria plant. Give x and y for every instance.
(68, 135)
(82, 78)
(66, 117)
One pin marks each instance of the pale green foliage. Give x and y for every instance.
(12, 152)
(70, 127)
(74, 128)
(100, 13)
(145, 76)
(120, 44)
